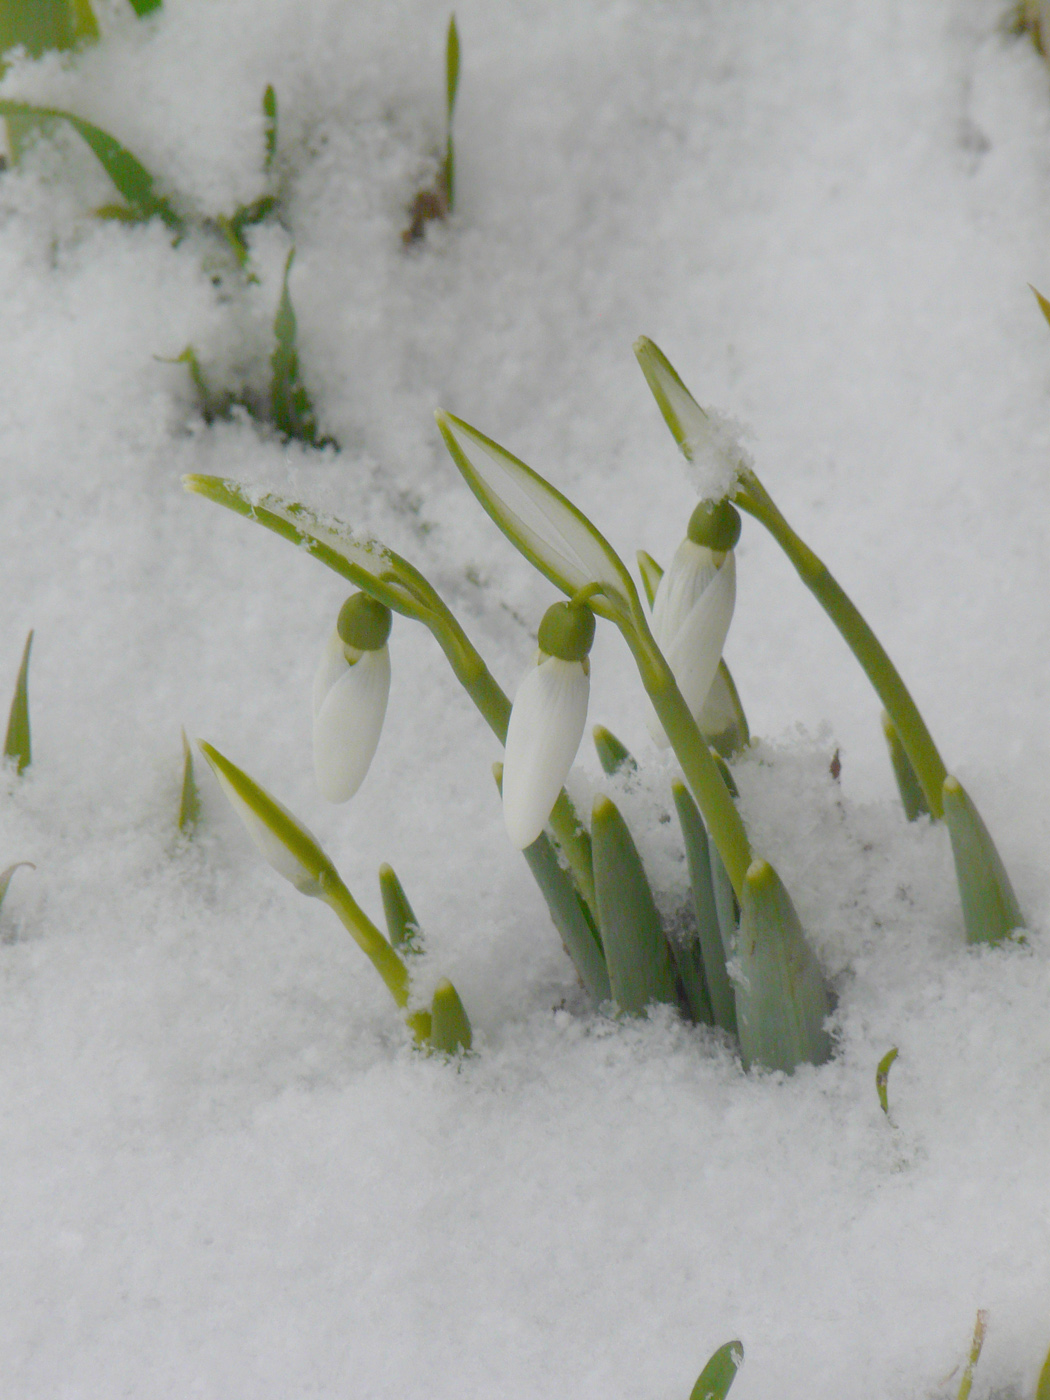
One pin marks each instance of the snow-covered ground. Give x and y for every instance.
(224, 1172)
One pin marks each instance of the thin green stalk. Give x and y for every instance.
(929, 767)
(367, 937)
(701, 772)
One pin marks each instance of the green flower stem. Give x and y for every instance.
(701, 772)
(367, 937)
(929, 767)
(404, 589)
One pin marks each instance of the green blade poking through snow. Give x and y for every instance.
(719, 1373)
(990, 909)
(190, 800)
(782, 1001)
(641, 969)
(449, 1025)
(401, 922)
(128, 173)
(17, 744)
(712, 948)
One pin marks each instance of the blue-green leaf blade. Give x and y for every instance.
(709, 932)
(782, 999)
(638, 956)
(990, 908)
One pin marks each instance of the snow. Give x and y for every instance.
(225, 1172)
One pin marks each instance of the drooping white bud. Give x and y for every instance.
(350, 694)
(691, 615)
(546, 725)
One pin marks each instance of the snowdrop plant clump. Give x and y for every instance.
(743, 964)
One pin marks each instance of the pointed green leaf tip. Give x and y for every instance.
(280, 838)
(451, 65)
(17, 744)
(719, 1373)
(5, 876)
(449, 1025)
(990, 908)
(290, 406)
(1044, 305)
(269, 107)
(641, 969)
(882, 1079)
(544, 525)
(782, 1000)
(190, 800)
(401, 922)
(681, 412)
(614, 756)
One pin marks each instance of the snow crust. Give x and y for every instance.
(225, 1173)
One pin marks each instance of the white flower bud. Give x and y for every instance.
(691, 615)
(349, 701)
(545, 729)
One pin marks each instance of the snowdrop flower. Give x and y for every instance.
(694, 602)
(547, 720)
(350, 694)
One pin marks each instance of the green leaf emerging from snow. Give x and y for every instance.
(269, 107)
(128, 173)
(5, 876)
(451, 87)
(401, 922)
(17, 744)
(537, 519)
(990, 909)
(882, 1079)
(189, 800)
(290, 407)
(449, 1024)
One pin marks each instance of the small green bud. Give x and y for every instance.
(363, 623)
(567, 631)
(715, 524)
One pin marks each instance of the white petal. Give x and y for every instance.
(545, 729)
(692, 569)
(697, 647)
(348, 724)
(331, 667)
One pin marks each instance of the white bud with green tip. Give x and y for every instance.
(547, 721)
(694, 603)
(351, 688)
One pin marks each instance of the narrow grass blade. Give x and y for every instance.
(568, 911)
(451, 87)
(641, 969)
(719, 1373)
(882, 1079)
(128, 173)
(17, 744)
(1044, 305)
(990, 909)
(966, 1384)
(651, 575)
(449, 1024)
(190, 800)
(290, 406)
(722, 720)
(5, 876)
(913, 799)
(781, 997)
(612, 755)
(709, 933)
(269, 107)
(401, 922)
